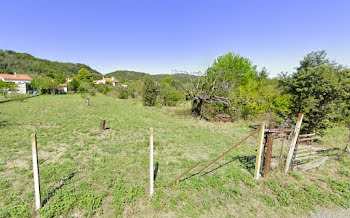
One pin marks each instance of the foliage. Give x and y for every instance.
(5, 87)
(150, 92)
(103, 88)
(317, 89)
(86, 88)
(125, 76)
(23, 63)
(60, 78)
(123, 92)
(171, 91)
(45, 85)
(135, 88)
(232, 68)
(73, 85)
(84, 76)
(233, 86)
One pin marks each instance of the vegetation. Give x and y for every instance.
(125, 76)
(23, 63)
(45, 85)
(5, 87)
(85, 172)
(233, 86)
(171, 91)
(150, 92)
(320, 89)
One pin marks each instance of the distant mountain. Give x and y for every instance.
(23, 63)
(125, 75)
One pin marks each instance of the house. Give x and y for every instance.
(21, 80)
(104, 80)
(64, 87)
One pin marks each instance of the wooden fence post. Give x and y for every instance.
(151, 176)
(102, 124)
(35, 172)
(294, 141)
(268, 151)
(259, 151)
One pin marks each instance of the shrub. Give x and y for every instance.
(170, 96)
(87, 88)
(123, 92)
(73, 85)
(150, 92)
(317, 90)
(103, 88)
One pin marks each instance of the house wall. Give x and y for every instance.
(16, 81)
(22, 88)
(22, 85)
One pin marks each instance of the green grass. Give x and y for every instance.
(85, 172)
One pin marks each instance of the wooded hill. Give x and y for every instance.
(125, 75)
(23, 63)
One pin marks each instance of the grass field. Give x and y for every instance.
(85, 172)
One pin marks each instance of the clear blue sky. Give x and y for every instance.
(161, 36)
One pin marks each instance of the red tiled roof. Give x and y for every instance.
(16, 76)
(111, 80)
(63, 85)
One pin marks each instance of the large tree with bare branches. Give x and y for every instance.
(217, 85)
(232, 85)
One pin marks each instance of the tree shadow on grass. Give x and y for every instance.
(156, 171)
(53, 192)
(3, 123)
(248, 163)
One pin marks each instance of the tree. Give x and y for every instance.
(219, 87)
(170, 95)
(60, 78)
(316, 90)
(85, 89)
(233, 69)
(150, 92)
(123, 92)
(233, 86)
(5, 87)
(44, 85)
(84, 76)
(73, 85)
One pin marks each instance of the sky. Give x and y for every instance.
(184, 35)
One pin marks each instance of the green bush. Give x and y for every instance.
(123, 92)
(170, 96)
(86, 88)
(103, 88)
(318, 89)
(150, 92)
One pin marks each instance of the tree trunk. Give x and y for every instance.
(196, 106)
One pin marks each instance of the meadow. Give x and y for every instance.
(86, 172)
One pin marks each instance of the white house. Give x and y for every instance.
(104, 80)
(64, 87)
(21, 80)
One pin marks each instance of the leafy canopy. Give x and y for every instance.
(317, 89)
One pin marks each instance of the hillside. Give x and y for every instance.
(125, 75)
(24, 63)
